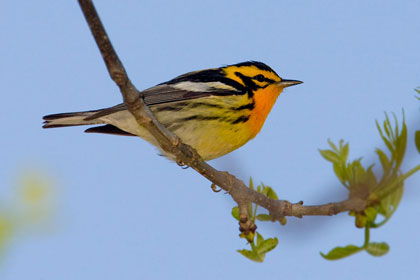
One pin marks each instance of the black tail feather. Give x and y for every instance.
(67, 119)
(108, 129)
(47, 125)
(66, 115)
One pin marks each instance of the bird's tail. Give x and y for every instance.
(70, 119)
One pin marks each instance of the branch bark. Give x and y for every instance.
(186, 155)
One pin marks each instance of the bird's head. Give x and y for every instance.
(257, 77)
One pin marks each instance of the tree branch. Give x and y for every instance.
(186, 155)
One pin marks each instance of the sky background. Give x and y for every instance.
(119, 211)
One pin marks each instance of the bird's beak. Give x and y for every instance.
(288, 83)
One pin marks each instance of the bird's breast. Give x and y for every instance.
(264, 101)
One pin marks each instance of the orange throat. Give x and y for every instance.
(264, 101)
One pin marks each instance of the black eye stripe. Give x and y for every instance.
(251, 84)
(247, 81)
(260, 78)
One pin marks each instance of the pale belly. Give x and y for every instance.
(211, 139)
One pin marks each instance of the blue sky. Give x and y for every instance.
(122, 212)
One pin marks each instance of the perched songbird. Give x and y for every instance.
(215, 111)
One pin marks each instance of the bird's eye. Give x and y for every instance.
(259, 78)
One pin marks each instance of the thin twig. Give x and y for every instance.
(186, 155)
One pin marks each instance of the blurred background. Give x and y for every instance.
(86, 206)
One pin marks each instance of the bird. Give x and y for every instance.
(215, 110)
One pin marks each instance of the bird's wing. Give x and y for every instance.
(164, 93)
(161, 94)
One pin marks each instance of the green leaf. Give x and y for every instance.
(263, 217)
(396, 130)
(338, 157)
(383, 158)
(390, 203)
(332, 145)
(270, 192)
(260, 239)
(259, 250)
(388, 144)
(251, 183)
(370, 178)
(356, 173)
(267, 245)
(252, 255)
(387, 126)
(264, 190)
(235, 212)
(345, 152)
(377, 249)
(386, 141)
(400, 144)
(417, 140)
(340, 172)
(330, 156)
(341, 252)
